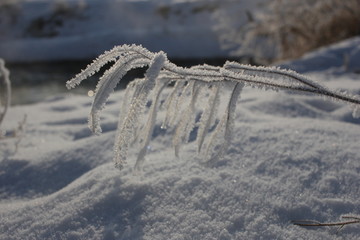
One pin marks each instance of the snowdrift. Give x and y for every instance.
(292, 157)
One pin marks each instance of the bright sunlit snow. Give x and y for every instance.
(292, 157)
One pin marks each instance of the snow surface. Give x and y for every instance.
(292, 157)
(338, 58)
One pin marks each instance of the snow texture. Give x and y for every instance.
(292, 157)
(338, 58)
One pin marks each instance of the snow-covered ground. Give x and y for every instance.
(292, 157)
(339, 58)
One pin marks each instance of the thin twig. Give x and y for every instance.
(341, 224)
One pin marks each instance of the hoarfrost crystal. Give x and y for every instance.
(189, 86)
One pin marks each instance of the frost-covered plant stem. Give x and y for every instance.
(5, 80)
(191, 84)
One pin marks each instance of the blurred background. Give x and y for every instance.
(46, 42)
